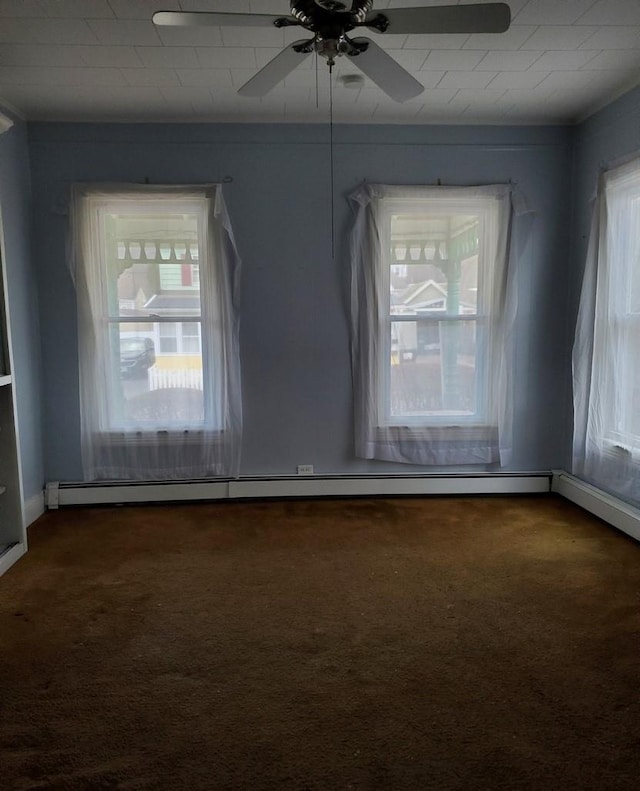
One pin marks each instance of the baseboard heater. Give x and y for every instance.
(61, 494)
(606, 506)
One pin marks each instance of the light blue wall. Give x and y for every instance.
(15, 204)
(605, 137)
(294, 336)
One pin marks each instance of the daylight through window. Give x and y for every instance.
(430, 341)
(159, 370)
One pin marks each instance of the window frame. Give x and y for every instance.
(113, 424)
(172, 451)
(484, 208)
(612, 336)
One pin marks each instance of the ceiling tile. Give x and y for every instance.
(168, 57)
(517, 79)
(142, 9)
(252, 37)
(385, 40)
(614, 38)
(109, 56)
(204, 77)
(508, 61)
(438, 97)
(445, 41)
(558, 60)
(410, 59)
(483, 98)
(89, 9)
(16, 31)
(125, 31)
(449, 60)
(151, 76)
(514, 38)
(368, 97)
(430, 79)
(585, 80)
(221, 6)
(190, 36)
(473, 80)
(20, 8)
(616, 60)
(226, 57)
(46, 31)
(536, 97)
(612, 12)
(269, 7)
(22, 55)
(558, 37)
(60, 76)
(552, 12)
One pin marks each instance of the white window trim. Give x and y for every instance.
(476, 207)
(111, 419)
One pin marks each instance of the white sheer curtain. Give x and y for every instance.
(606, 357)
(432, 309)
(156, 273)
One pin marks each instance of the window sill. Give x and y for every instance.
(618, 449)
(191, 436)
(440, 432)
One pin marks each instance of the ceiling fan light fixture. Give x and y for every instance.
(352, 81)
(332, 48)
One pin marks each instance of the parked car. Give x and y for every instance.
(136, 356)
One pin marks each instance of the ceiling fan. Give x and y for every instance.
(330, 21)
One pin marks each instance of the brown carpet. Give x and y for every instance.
(474, 643)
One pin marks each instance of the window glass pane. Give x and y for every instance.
(629, 387)
(168, 336)
(151, 262)
(633, 257)
(153, 388)
(190, 338)
(433, 369)
(434, 264)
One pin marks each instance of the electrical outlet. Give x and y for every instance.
(305, 469)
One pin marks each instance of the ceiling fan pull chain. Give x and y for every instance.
(333, 246)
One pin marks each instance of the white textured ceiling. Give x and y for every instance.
(100, 60)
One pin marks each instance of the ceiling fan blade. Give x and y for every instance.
(276, 70)
(477, 18)
(387, 73)
(207, 19)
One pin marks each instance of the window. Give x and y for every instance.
(429, 321)
(154, 269)
(606, 353)
(436, 273)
